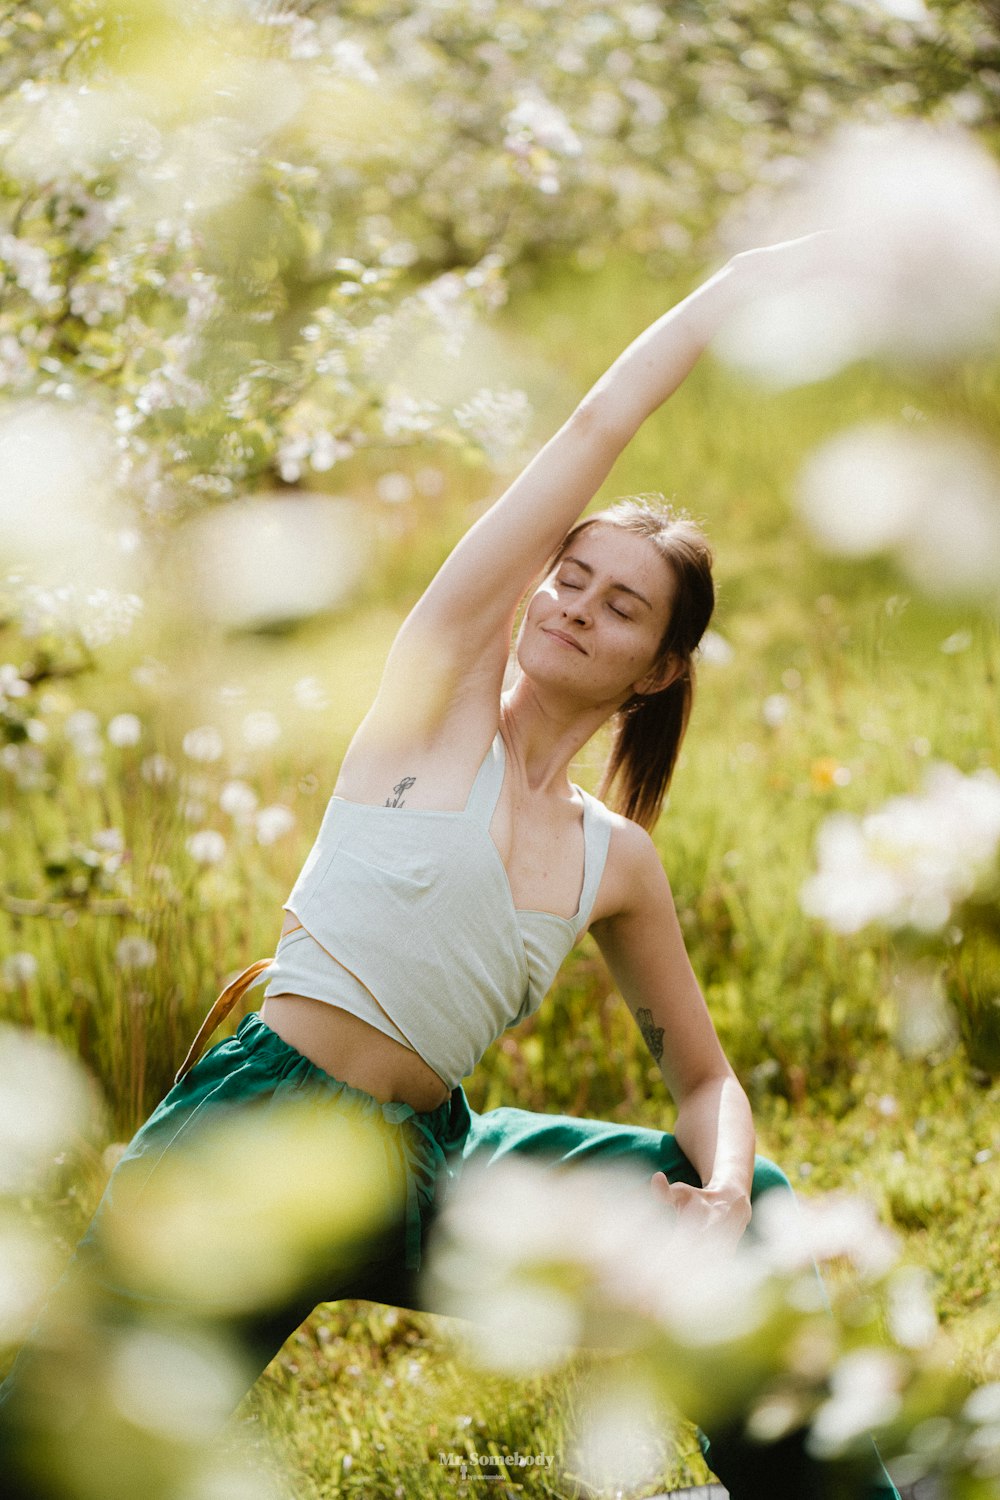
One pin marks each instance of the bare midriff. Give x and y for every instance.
(352, 1051)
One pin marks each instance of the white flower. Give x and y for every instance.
(775, 710)
(274, 558)
(403, 413)
(12, 684)
(206, 846)
(912, 1319)
(157, 770)
(124, 729)
(794, 1232)
(715, 649)
(926, 1021)
(204, 743)
(930, 494)
(273, 823)
(535, 118)
(135, 953)
(309, 693)
(44, 1101)
(261, 729)
(497, 420)
(984, 1404)
(82, 726)
(864, 1393)
(911, 861)
(395, 488)
(238, 800)
(916, 207)
(19, 968)
(31, 267)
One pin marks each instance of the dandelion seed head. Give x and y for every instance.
(124, 730)
(206, 847)
(203, 744)
(272, 823)
(135, 952)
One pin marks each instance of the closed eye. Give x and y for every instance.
(565, 583)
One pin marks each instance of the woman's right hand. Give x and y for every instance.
(777, 267)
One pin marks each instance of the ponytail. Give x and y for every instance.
(648, 731)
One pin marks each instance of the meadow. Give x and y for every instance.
(828, 685)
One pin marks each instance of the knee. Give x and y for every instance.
(766, 1176)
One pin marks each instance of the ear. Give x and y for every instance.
(662, 676)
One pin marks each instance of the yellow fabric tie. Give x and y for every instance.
(220, 1010)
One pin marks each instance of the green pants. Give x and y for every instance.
(425, 1153)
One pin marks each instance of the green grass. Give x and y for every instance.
(808, 1019)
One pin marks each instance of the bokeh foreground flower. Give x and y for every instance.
(912, 861)
(539, 1263)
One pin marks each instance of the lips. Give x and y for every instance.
(561, 636)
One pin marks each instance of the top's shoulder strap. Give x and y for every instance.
(597, 826)
(489, 779)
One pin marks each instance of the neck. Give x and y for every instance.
(545, 736)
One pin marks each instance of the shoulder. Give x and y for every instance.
(633, 866)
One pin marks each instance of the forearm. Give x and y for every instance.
(715, 1131)
(655, 363)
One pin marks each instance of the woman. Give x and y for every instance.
(456, 865)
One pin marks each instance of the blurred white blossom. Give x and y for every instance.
(925, 1019)
(124, 729)
(135, 952)
(274, 558)
(261, 729)
(394, 488)
(239, 800)
(775, 709)
(536, 119)
(45, 1100)
(622, 1437)
(912, 271)
(309, 693)
(912, 1319)
(83, 730)
(497, 420)
(158, 770)
(272, 823)
(203, 744)
(28, 1267)
(913, 860)
(19, 968)
(931, 495)
(180, 1385)
(207, 846)
(715, 649)
(59, 508)
(864, 1392)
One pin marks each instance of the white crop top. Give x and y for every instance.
(408, 921)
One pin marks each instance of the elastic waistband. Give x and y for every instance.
(447, 1123)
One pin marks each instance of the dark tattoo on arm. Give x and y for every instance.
(400, 789)
(651, 1035)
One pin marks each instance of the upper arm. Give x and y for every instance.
(459, 629)
(643, 946)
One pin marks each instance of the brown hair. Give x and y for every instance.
(649, 727)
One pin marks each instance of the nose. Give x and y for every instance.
(577, 608)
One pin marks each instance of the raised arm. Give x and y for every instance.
(462, 622)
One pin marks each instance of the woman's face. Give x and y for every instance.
(594, 626)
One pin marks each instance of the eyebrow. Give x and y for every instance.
(624, 587)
